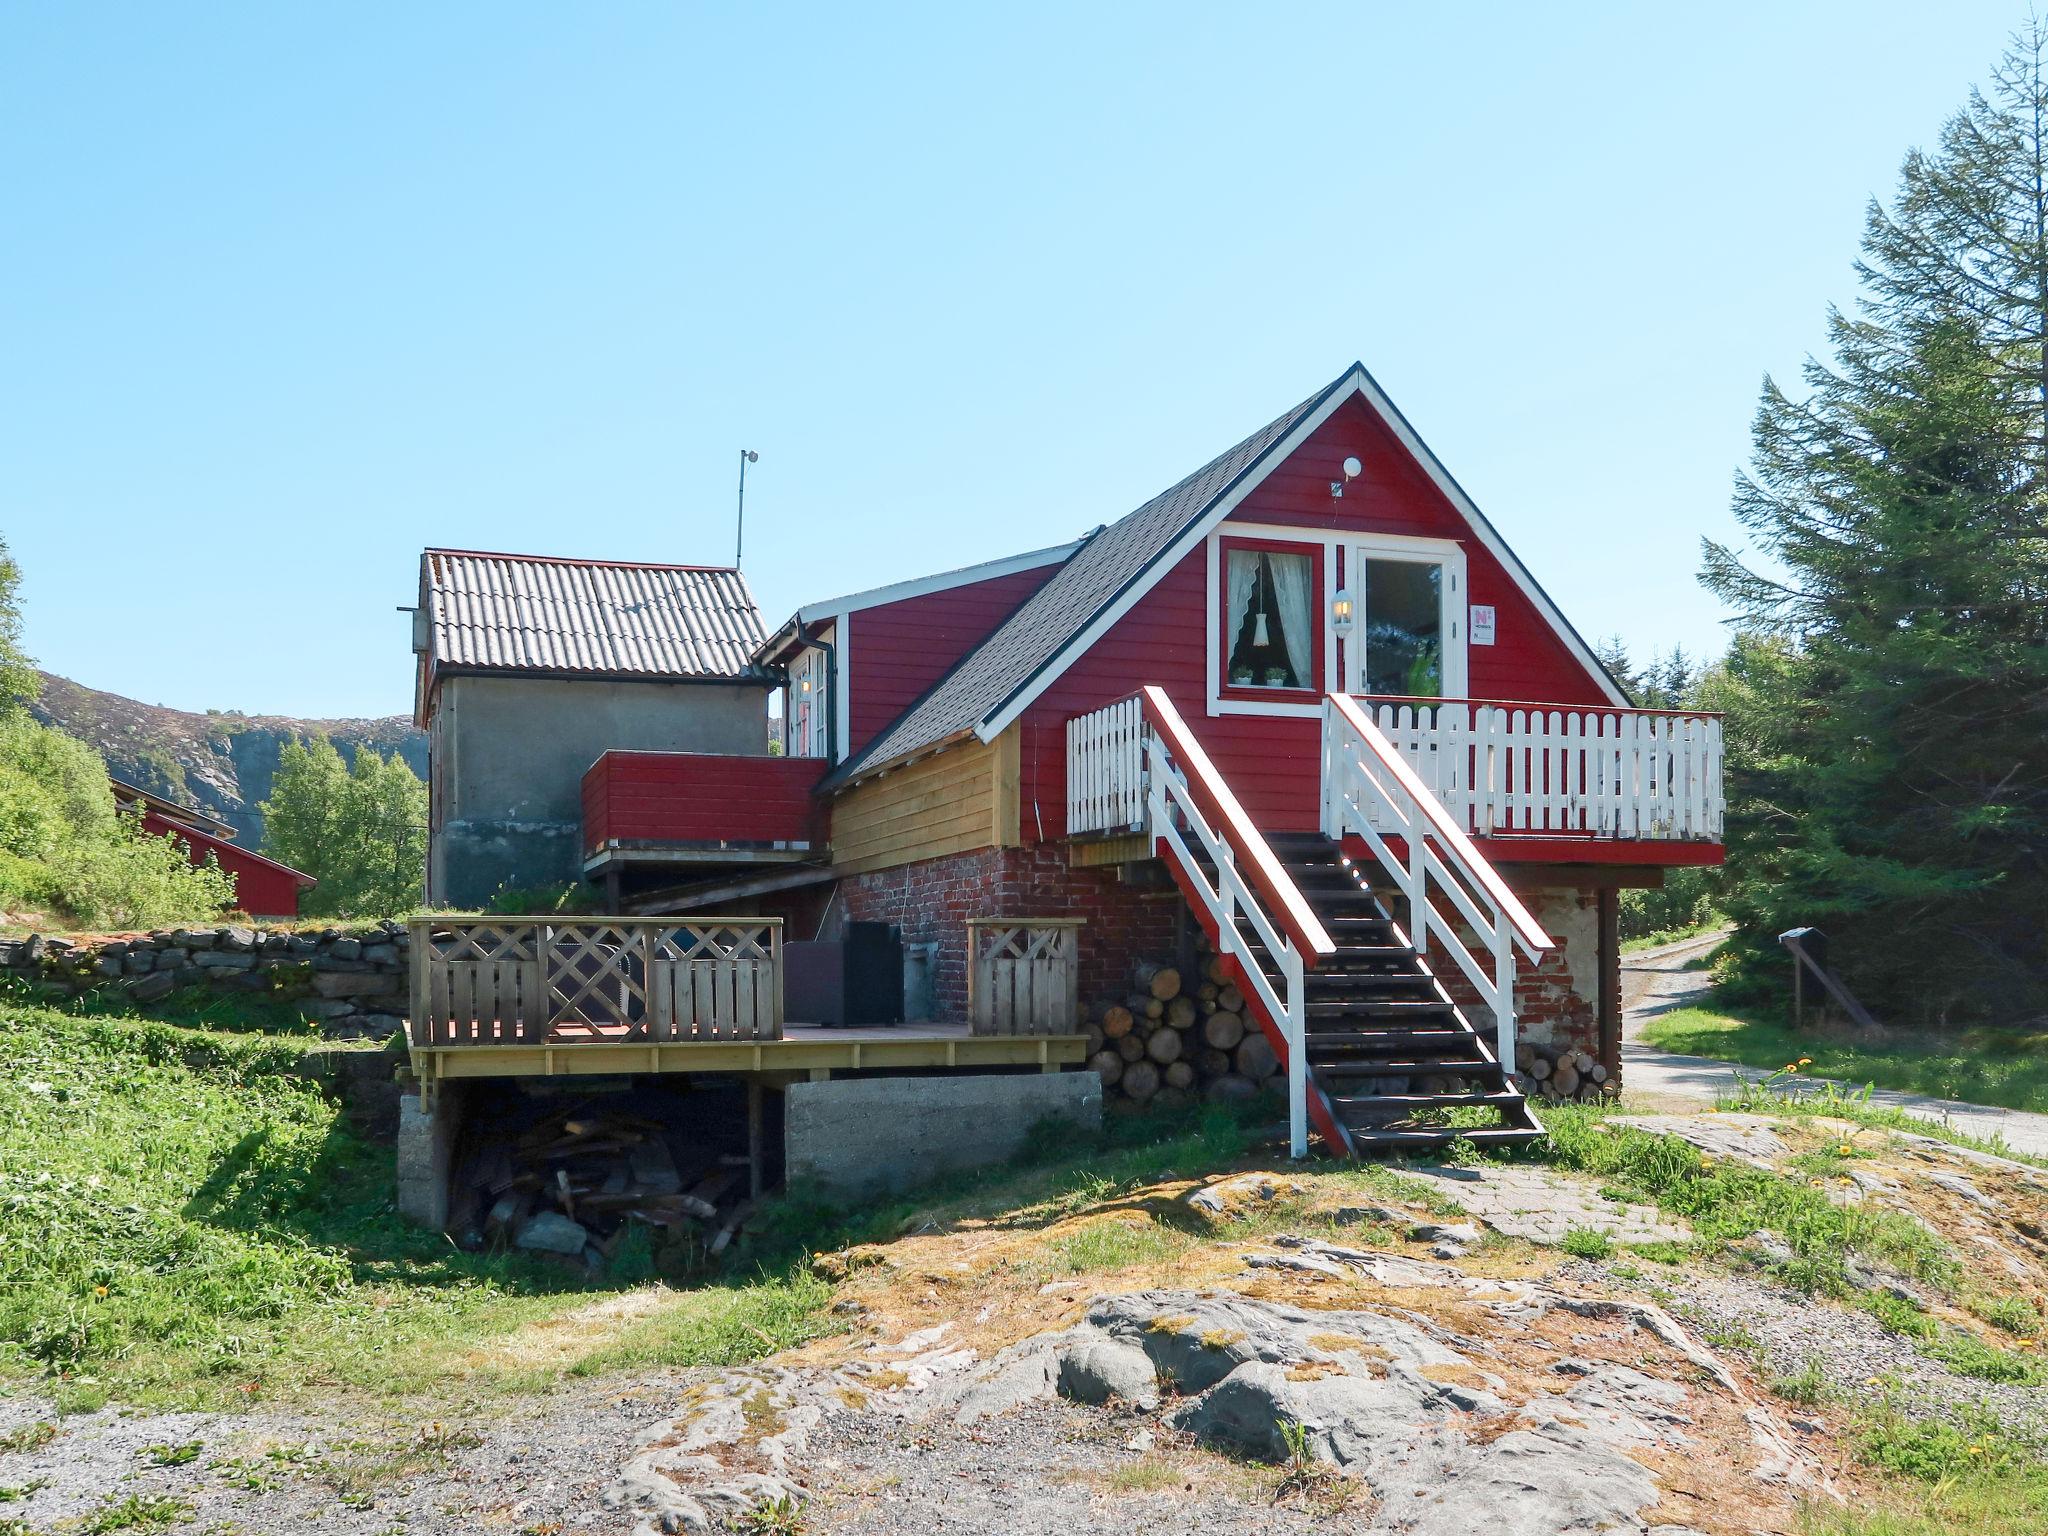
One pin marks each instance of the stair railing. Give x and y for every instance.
(1188, 799)
(1371, 793)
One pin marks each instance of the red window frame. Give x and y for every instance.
(1318, 628)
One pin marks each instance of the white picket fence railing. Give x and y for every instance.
(1501, 770)
(1106, 769)
(1506, 769)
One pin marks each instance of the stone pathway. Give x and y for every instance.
(1655, 982)
(1542, 1206)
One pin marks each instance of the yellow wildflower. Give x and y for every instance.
(99, 1290)
(1976, 1450)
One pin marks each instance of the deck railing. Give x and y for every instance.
(1505, 770)
(558, 981)
(1499, 769)
(1024, 975)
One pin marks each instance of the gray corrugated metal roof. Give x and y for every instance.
(535, 613)
(1093, 577)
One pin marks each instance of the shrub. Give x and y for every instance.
(65, 849)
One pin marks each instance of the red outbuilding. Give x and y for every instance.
(263, 887)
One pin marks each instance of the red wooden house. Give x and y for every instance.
(1306, 696)
(263, 887)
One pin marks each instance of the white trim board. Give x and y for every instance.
(920, 586)
(1355, 381)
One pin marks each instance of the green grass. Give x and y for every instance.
(2001, 1067)
(1726, 1202)
(1940, 1477)
(182, 1221)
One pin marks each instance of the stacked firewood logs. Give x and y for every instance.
(1174, 1038)
(570, 1186)
(1556, 1074)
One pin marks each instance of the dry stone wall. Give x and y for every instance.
(349, 981)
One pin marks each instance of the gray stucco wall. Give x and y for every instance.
(508, 755)
(853, 1137)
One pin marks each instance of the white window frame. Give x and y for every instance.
(1343, 655)
(1310, 708)
(1449, 554)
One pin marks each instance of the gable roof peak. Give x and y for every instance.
(1117, 563)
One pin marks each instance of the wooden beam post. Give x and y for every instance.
(1609, 947)
(754, 1138)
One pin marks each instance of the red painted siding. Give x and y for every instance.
(1273, 764)
(699, 797)
(898, 650)
(263, 887)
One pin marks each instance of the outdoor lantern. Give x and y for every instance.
(1340, 612)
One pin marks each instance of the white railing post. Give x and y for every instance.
(1331, 827)
(1418, 879)
(1504, 987)
(1296, 1032)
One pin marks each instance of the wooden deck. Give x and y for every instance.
(802, 1050)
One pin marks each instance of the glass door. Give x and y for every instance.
(1409, 640)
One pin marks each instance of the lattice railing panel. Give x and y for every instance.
(526, 981)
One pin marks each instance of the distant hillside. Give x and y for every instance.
(218, 762)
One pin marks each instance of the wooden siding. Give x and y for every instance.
(700, 798)
(898, 650)
(954, 801)
(1274, 764)
(263, 887)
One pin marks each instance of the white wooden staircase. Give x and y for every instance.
(1376, 1051)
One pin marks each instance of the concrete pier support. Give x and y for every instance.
(426, 1154)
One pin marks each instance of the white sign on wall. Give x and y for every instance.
(1482, 624)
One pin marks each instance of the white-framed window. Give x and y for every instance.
(804, 720)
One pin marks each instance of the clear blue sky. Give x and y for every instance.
(288, 292)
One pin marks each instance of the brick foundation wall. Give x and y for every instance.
(932, 900)
(1557, 1003)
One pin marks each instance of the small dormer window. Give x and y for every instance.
(1272, 634)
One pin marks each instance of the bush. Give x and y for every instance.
(64, 849)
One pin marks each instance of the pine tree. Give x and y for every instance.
(1889, 695)
(1612, 654)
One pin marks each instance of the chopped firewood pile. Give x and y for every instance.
(1169, 1042)
(1557, 1073)
(574, 1184)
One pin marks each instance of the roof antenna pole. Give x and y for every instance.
(747, 456)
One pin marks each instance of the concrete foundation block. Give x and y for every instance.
(426, 1154)
(865, 1136)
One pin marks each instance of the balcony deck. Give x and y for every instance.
(674, 810)
(545, 997)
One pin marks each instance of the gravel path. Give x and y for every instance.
(1655, 982)
(1051, 1469)
(1859, 1358)
(543, 1465)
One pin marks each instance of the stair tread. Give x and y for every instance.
(1370, 1136)
(1424, 1100)
(1368, 1067)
